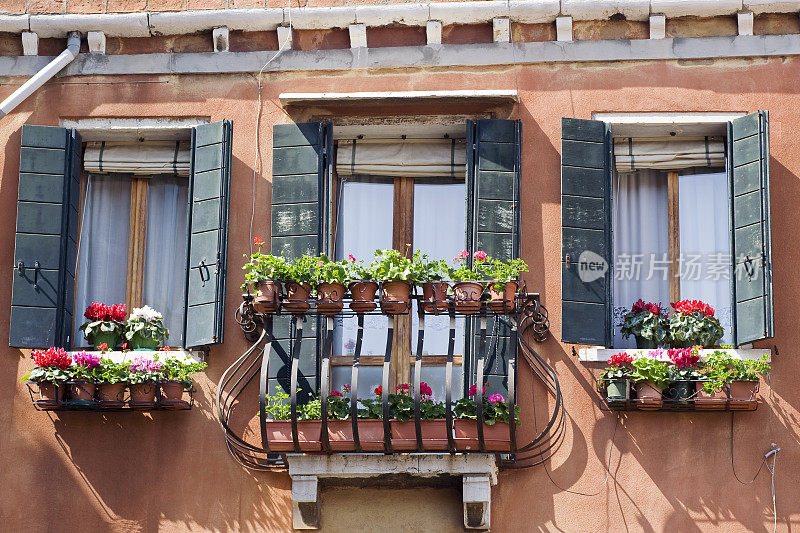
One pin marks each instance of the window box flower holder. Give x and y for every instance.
(496, 437)
(434, 435)
(279, 435)
(714, 400)
(370, 435)
(743, 394)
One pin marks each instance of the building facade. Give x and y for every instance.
(219, 122)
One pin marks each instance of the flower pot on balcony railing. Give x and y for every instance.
(694, 324)
(363, 293)
(329, 277)
(651, 376)
(105, 324)
(370, 435)
(504, 285)
(742, 393)
(616, 376)
(264, 272)
(267, 296)
(279, 435)
(434, 296)
(710, 400)
(111, 395)
(496, 415)
(52, 370)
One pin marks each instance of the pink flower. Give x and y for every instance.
(402, 387)
(336, 393)
(352, 258)
(463, 254)
(480, 255)
(474, 389)
(346, 388)
(425, 389)
(495, 399)
(86, 359)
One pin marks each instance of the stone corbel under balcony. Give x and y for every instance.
(478, 473)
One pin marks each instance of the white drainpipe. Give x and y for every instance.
(40, 78)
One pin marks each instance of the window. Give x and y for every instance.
(132, 245)
(378, 194)
(665, 219)
(133, 235)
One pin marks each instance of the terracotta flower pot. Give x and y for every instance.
(708, 402)
(648, 395)
(171, 394)
(743, 394)
(143, 395)
(111, 395)
(503, 301)
(496, 437)
(396, 297)
(434, 435)
(329, 298)
(467, 295)
(50, 394)
(363, 293)
(434, 297)
(82, 390)
(370, 435)
(297, 297)
(266, 299)
(279, 435)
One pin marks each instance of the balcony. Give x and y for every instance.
(466, 446)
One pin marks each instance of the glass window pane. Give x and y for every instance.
(439, 232)
(705, 243)
(364, 224)
(103, 245)
(165, 251)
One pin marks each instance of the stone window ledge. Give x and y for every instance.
(478, 472)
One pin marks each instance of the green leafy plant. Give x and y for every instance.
(694, 323)
(646, 320)
(716, 372)
(501, 272)
(112, 372)
(391, 265)
(264, 267)
(339, 405)
(277, 407)
(52, 365)
(302, 270)
(175, 369)
(495, 409)
(357, 270)
(146, 323)
(326, 270)
(463, 271)
(425, 269)
(748, 370)
(650, 369)
(311, 410)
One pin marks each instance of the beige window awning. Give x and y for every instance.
(669, 153)
(143, 158)
(408, 158)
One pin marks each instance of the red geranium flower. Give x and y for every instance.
(258, 241)
(425, 389)
(620, 359)
(379, 390)
(336, 393)
(103, 347)
(474, 390)
(641, 305)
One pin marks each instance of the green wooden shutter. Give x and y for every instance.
(209, 201)
(299, 222)
(751, 254)
(586, 232)
(493, 192)
(45, 249)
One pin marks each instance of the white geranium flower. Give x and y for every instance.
(146, 313)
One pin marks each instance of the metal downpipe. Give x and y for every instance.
(40, 78)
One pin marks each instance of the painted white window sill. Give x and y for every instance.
(478, 473)
(602, 355)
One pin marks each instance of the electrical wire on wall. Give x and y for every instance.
(258, 163)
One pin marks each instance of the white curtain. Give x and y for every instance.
(408, 158)
(439, 232)
(669, 153)
(103, 245)
(705, 243)
(146, 158)
(165, 251)
(640, 244)
(364, 224)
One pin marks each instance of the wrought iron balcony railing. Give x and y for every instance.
(527, 319)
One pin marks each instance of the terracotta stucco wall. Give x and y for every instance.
(670, 471)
